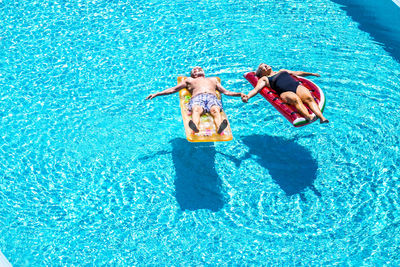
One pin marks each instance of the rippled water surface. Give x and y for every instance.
(91, 173)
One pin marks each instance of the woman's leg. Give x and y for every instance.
(308, 99)
(293, 99)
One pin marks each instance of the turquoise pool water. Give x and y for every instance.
(92, 174)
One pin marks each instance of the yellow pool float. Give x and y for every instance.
(207, 129)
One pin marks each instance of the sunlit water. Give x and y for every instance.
(91, 173)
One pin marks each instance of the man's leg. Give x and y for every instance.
(216, 113)
(195, 122)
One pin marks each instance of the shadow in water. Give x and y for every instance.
(197, 183)
(381, 19)
(290, 165)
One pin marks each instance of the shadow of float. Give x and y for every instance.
(197, 183)
(290, 165)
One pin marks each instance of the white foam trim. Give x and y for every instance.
(322, 100)
(3, 261)
(397, 2)
(299, 121)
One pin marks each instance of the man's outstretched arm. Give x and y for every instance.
(226, 92)
(168, 91)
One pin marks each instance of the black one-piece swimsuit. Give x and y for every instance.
(283, 82)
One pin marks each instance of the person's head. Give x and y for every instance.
(197, 72)
(263, 70)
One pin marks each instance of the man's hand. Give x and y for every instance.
(245, 98)
(151, 96)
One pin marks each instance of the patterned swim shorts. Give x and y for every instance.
(206, 101)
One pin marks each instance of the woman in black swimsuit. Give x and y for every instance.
(290, 90)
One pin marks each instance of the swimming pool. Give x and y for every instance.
(91, 173)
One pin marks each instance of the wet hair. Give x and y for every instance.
(258, 72)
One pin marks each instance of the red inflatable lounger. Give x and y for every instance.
(289, 111)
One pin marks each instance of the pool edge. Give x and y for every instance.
(3, 261)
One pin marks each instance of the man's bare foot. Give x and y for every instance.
(324, 121)
(193, 126)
